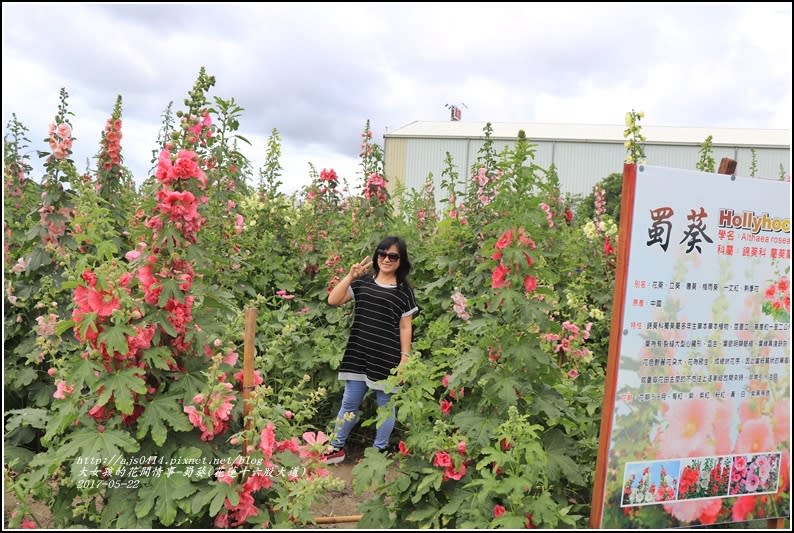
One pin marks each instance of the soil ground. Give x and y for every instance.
(344, 502)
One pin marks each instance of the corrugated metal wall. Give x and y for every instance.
(580, 165)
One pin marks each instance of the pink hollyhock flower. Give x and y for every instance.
(403, 449)
(446, 407)
(258, 380)
(27, 523)
(498, 510)
(223, 476)
(755, 436)
(231, 358)
(689, 425)
(267, 440)
(318, 438)
(525, 240)
(498, 277)
(573, 373)
(222, 520)
(751, 483)
(530, 283)
(461, 448)
(194, 416)
(442, 459)
(257, 481)
(63, 130)
(505, 240)
(451, 472)
(62, 390)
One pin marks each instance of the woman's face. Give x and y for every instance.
(389, 260)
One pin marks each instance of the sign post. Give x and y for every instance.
(695, 423)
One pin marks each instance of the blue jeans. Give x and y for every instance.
(351, 401)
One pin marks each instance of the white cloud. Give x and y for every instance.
(317, 72)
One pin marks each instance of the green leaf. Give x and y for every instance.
(38, 259)
(543, 509)
(458, 498)
(17, 458)
(89, 444)
(162, 494)
(190, 384)
(477, 428)
(63, 326)
(89, 320)
(547, 402)
(162, 321)
(242, 139)
(120, 386)
(36, 418)
(156, 413)
(20, 377)
(170, 291)
(422, 514)
(158, 357)
(115, 338)
(59, 419)
(370, 471)
(215, 497)
(119, 514)
(376, 514)
(561, 466)
(510, 521)
(84, 373)
(106, 250)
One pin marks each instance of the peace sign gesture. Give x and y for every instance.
(360, 268)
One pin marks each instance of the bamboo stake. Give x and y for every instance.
(338, 519)
(248, 367)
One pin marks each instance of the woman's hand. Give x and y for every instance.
(360, 268)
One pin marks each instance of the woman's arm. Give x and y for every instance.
(340, 294)
(406, 329)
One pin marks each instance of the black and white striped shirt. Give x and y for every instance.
(373, 348)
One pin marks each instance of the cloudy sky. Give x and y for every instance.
(317, 73)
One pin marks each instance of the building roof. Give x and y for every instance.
(596, 133)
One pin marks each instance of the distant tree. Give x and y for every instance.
(706, 163)
(634, 138)
(753, 163)
(612, 186)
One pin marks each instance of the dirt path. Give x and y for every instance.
(344, 502)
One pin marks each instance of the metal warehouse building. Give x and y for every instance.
(582, 153)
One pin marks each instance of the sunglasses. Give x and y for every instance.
(383, 254)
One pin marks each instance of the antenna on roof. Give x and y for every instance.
(454, 111)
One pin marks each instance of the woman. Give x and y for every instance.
(380, 338)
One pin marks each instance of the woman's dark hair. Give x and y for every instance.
(405, 264)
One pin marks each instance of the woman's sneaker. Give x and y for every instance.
(334, 455)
